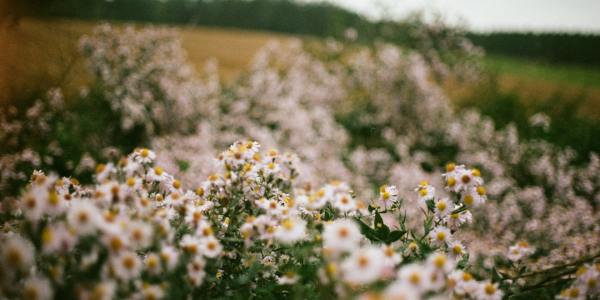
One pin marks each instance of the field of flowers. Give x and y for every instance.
(327, 170)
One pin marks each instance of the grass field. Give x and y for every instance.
(43, 53)
(537, 81)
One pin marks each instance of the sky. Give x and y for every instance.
(491, 15)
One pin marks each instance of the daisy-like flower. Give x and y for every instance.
(83, 217)
(33, 204)
(318, 199)
(416, 276)
(454, 220)
(388, 196)
(425, 191)
(190, 244)
(195, 271)
(463, 283)
(157, 174)
(271, 167)
(390, 255)
(572, 293)
(344, 203)
(17, 253)
(471, 197)
(291, 230)
(144, 156)
(363, 266)
(456, 249)
(341, 235)
(104, 290)
(57, 238)
(140, 234)
(443, 207)
(440, 262)
(519, 251)
(152, 291)
(211, 247)
(126, 265)
(104, 171)
(37, 288)
(489, 291)
(152, 264)
(400, 290)
(169, 256)
(440, 235)
(288, 278)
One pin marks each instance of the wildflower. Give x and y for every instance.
(388, 196)
(37, 288)
(126, 265)
(291, 230)
(363, 266)
(416, 276)
(211, 247)
(440, 262)
(519, 251)
(443, 207)
(440, 235)
(401, 291)
(425, 191)
(489, 291)
(17, 253)
(391, 256)
(83, 217)
(144, 156)
(152, 263)
(344, 203)
(288, 278)
(341, 235)
(195, 271)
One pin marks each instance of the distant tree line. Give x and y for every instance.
(583, 49)
(317, 19)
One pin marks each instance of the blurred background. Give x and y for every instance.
(538, 56)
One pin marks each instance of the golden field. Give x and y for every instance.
(39, 54)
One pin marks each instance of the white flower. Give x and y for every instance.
(33, 204)
(519, 251)
(37, 288)
(341, 235)
(391, 256)
(57, 238)
(152, 263)
(440, 262)
(456, 249)
(440, 235)
(140, 234)
(17, 253)
(363, 266)
(291, 230)
(489, 291)
(443, 207)
(169, 257)
(425, 191)
(288, 278)
(415, 275)
(126, 265)
(211, 247)
(344, 203)
(195, 271)
(157, 174)
(83, 217)
(388, 196)
(144, 156)
(400, 290)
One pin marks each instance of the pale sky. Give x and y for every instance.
(491, 15)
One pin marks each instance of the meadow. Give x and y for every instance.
(150, 162)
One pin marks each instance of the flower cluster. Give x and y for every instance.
(138, 233)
